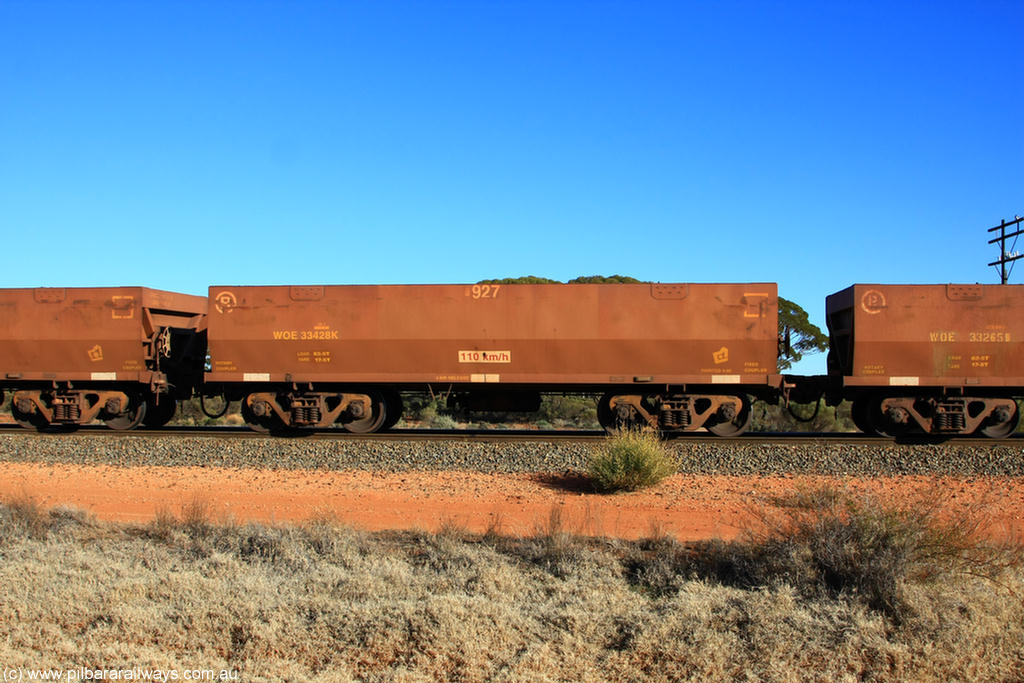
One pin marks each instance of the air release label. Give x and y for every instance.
(485, 356)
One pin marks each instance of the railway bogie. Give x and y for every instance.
(938, 414)
(724, 415)
(285, 410)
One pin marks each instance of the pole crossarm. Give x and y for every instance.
(1007, 260)
(1007, 236)
(1006, 224)
(1004, 255)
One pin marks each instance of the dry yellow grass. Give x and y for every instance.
(320, 602)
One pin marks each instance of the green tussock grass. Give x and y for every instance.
(322, 602)
(629, 460)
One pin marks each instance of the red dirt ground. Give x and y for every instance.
(685, 506)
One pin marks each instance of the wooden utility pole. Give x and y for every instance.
(1004, 255)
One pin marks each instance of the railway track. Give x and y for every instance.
(515, 436)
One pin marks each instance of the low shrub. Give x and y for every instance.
(829, 543)
(26, 511)
(628, 460)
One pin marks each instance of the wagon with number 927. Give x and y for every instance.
(677, 357)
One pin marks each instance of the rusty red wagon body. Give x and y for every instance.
(943, 359)
(117, 354)
(678, 356)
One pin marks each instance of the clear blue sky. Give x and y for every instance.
(182, 144)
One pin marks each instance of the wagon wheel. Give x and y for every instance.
(374, 419)
(1001, 430)
(159, 414)
(878, 423)
(735, 426)
(255, 422)
(605, 416)
(612, 422)
(129, 419)
(859, 415)
(33, 420)
(394, 409)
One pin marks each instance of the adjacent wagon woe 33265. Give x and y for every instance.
(938, 359)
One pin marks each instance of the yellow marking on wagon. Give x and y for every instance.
(483, 291)
(755, 308)
(225, 302)
(305, 335)
(475, 356)
(873, 302)
(989, 337)
(124, 307)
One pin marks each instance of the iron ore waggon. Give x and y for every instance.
(673, 356)
(123, 355)
(937, 359)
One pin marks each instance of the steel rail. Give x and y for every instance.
(511, 436)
